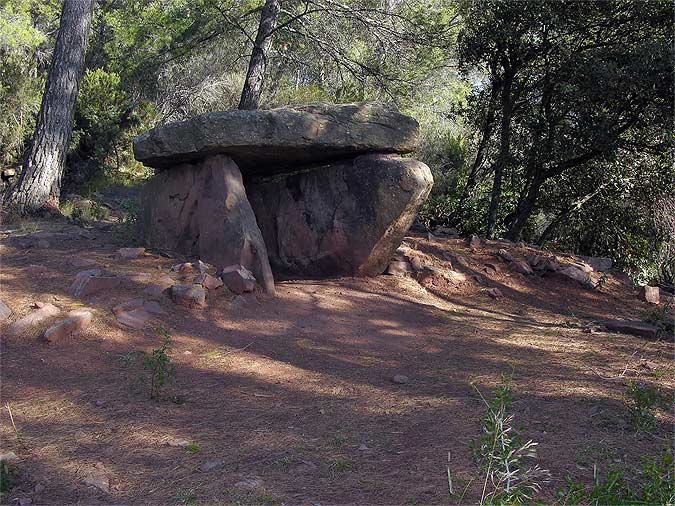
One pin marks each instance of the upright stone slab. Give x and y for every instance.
(201, 210)
(343, 218)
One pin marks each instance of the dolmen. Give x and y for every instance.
(317, 190)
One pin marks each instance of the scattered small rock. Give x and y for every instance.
(183, 267)
(401, 379)
(495, 293)
(210, 465)
(399, 268)
(36, 270)
(43, 244)
(96, 476)
(633, 327)
(127, 306)
(77, 321)
(8, 457)
(89, 285)
(129, 253)
(363, 448)
(25, 501)
(523, 267)
(153, 307)
(252, 483)
(598, 264)
(138, 277)
(209, 282)
(39, 488)
(651, 294)
(505, 255)
(43, 312)
(576, 274)
(202, 267)
(191, 296)
(135, 319)
(82, 262)
(238, 279)
(182, 443)
(5, 311)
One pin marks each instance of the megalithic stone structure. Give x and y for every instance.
(314, 190)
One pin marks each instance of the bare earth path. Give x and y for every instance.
(291, 400)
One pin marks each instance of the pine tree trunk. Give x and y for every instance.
(40, 182)
(504, 155)
(250, 95)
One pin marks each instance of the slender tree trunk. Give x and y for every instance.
(525, 209)
(504, 155)
(40, 182)
(250, 95)
(486, 134)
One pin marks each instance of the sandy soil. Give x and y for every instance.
(297, 392)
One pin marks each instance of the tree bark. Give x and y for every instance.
(504, 153)
(40, 182)
(250, 95)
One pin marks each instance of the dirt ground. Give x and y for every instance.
(290, 400)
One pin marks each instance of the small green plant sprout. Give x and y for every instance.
(653, 484)
(663, 317)
(193, 448)
(641, 401)
(501, 453)
(160, 366)
(8, 475)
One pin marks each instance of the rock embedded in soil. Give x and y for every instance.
(209, 282)
(210, 465)
(96, 476)
(238, 279)
(474, 243)
(76, 321)
(522, 267)
(5, 311)
(129, 253)
(633, 327)
(505, 255)
(399, 268)
(495, 293)
(576, 274)
(32, 319)
(598, 264)
(400, 379)
(279, 140)
(346, 218)
(651, 294)
(191, 296)
(133, 317)
(78, 261)
(250, 483)
(90, 285)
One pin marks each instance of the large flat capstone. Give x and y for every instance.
(279, 140)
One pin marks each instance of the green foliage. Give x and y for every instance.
(158, 363)
(193, 448)
(128, 232)
(641, 401)
(26, 35)
(663, 316)
(8, 475)
(502, 455)
(655, 484)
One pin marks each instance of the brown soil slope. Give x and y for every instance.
(291, 400)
